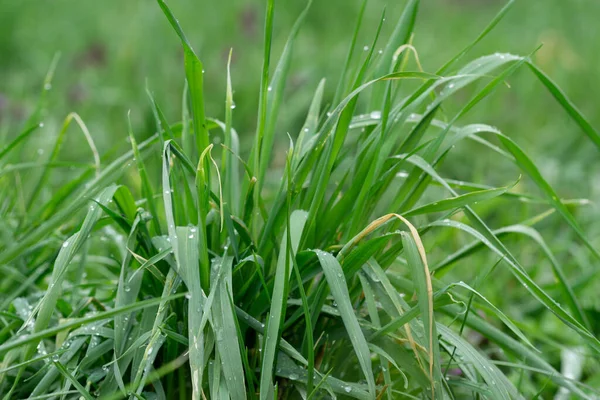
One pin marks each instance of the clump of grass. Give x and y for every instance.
(216, 277)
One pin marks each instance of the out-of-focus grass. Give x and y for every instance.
(109, 48)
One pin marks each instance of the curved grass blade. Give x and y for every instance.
(527, 166)
(498, 384)
(492, 242)
(485, 234)
(459, 201)
(566, 104)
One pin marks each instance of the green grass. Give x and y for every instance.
(351, 263)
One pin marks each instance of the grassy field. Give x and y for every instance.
(249, 210)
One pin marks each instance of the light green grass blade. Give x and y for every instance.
(310, 125)
(277, 311)
(203, 192)
(187, 260)
(228, 346)
(229, 162)
(415, 255)
(337, 284)
(128, 288)
(374, 316)
(68, 250)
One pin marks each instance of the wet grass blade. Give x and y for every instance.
(498, 384)
(225, 327)
(75, 323)
(276, 314)
(415, 254)
(339, 289)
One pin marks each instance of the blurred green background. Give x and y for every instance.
(111, 48)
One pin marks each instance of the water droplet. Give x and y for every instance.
(375, 114)
(127, 289)
(188, 296)
(65, 244)
(366, 48)
(41, 125)
(232, 106)
(380, 51)
(348, 389)
(269, 88)
(47, 86)
(293, 377)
